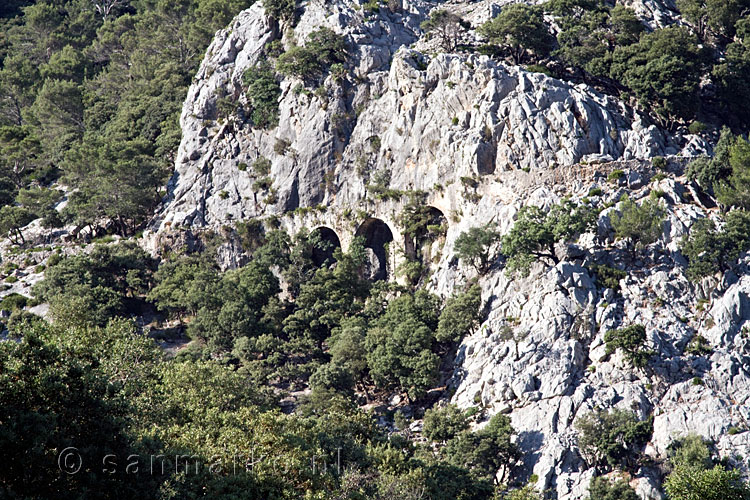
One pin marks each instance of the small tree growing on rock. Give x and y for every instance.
(460, 315)
(631, 341)
(601, 488)
(474, 245)
(710, 250)
(12, 219)
(535, 233)
(518, 30)
(442, 424)
(693, 482)
(640, 225)
(489, 452)
(446, 25)
(612, 438)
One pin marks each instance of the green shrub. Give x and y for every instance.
(709, 250)
(608, 277)
(698, 346)
(697, 127)
(333, 377)
(518, 31)
(262, 166)
(13, 302)
(659, 162)
(283, 10)
(611, 439)
(323, 48)
(602, 488)
(655, 194)
(460, 316)
(444, 423)
(690, 450)
(263, 92)
(595, 191)
(663, 70)
(734, 191)
(400, 345)
(616, 175)
(693, 482)
(708, 171)
(641, 225)
(528, 492)
(632, 341)
(535, 233)
(539, 68)
(473, 246)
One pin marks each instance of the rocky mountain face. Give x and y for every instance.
(483, 139)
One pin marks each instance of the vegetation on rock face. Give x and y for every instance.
(710, 250)
(591, 32)
(445, 423)
(609, 46)
(691, 482)
(602, 488)
(632, 341)
(446, 26)
(90, 93)
(323, 48)
(610, 439)
(708, 171)
(263, 91)
(641, 225)
(282, 10)
(663, 70)
(460, 316)
(519, 31)
(535, 233)
(474, 246)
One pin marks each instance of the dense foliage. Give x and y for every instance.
(640, 225)
(632, 341)
(602, 488)
(535, 233)
(612, 438)
(92, 94)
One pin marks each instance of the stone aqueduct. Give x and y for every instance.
(376, 222)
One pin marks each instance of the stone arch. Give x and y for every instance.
(323, 255)
(377, 235)
(430, 228)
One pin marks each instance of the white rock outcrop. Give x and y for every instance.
(484, 139)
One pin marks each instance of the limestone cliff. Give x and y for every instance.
(483, 139)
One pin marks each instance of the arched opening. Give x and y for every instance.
(325, 242)
(424, 226)
(377, 235)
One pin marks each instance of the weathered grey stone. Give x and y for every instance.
(432, 122)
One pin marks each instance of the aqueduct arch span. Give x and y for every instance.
(377, 237)
(381, 230)
(323, 255)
